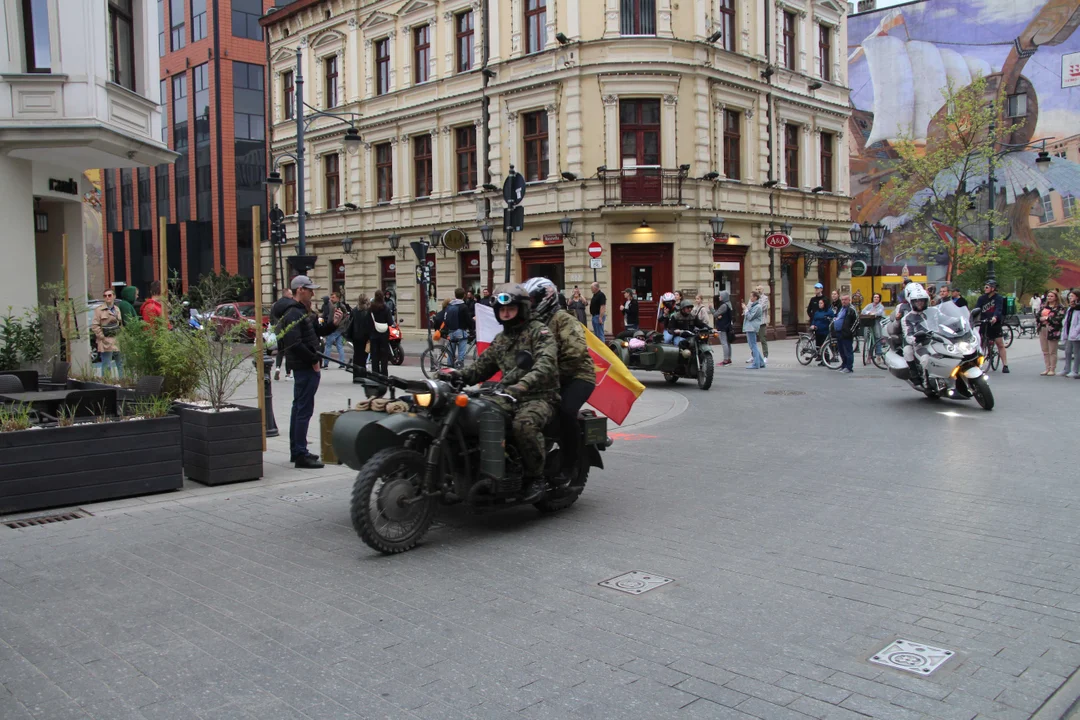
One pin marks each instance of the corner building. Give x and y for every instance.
(211, 83)
(639, 120)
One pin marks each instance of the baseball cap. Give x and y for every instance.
(818, 286)
(303, 281)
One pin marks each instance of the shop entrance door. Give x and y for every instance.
(544, 262)
(648, 269)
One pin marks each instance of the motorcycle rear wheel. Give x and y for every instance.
(561, 503)
(389, 477)
(980, 389)
(671, 378)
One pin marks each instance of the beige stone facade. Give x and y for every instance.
(635, 112)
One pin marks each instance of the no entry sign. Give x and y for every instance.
(595, 249)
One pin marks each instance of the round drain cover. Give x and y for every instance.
(784, 392)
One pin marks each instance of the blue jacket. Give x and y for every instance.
(821, 320)
(752, 318)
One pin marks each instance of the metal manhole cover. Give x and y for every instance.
(784, 392)
(912, 657)
(302, 497)
(636, 582)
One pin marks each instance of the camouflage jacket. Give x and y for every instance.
(541, 381)
(575, 362)
(678, 321)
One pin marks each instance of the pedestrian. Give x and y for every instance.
(598, 310)
(153, 307)
(944, 294)
(487, 299)
(301, 331)
(456, 322)
(992, 307)
(752, 318)
(336, 339)
(763, 339)
(629, 310)
(958, 299)
(379, 329)
(844, 327)
(1051, 316)
(812, 306)
(873, 313)
(391, 305)
(931, 290)
(702, 312)
(823, 316)
(723, 326)
(857, 300)
(1070, 335)
(108, 319)
(834, 301)
(470, 306)
(126, 303)
(576, 306)
(1036, 304)
(357, 334)
(275, 314)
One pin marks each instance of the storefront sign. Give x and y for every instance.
(69, 186)
(734, 266)
(553, 239)
(777, 241)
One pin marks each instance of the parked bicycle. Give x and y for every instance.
(875, 344)
(807, 350)
(439, 357)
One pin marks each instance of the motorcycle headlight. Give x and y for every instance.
(965, 348)
(431, 398)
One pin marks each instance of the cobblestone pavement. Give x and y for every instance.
(804, 532)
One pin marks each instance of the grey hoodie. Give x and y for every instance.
(724, 308)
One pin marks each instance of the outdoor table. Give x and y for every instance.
(46, 402)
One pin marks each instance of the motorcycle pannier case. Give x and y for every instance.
(593, 428)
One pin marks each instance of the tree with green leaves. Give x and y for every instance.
(1018, 268)
(940, 180)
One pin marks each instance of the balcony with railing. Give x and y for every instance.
(643, 185)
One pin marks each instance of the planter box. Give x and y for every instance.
(89, 462)
(221, 447)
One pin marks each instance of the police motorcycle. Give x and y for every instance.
(691, 358)
(452, 445)
(950, 356)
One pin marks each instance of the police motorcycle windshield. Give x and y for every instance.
(949, 321)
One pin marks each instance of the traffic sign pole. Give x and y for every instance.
(590, 245)
(513, 194)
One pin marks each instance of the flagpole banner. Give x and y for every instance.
(487, 327)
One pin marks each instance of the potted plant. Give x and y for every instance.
(49, 464)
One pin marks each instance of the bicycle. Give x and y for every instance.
(807, 350)
(989, 348)
(437, 358)
(874, 347)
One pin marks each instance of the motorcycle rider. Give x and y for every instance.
(577, 373)
(895, 328)
(992, 306)
(534, 388)
(915, 329)
(685, 320)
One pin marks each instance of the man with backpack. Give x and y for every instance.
(457, 320)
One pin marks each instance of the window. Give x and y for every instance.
(382, 66)
(463, 25)
(384, 172)
(825, 52)
(161, 180)
(732, 145)
(290, 189)
(163, 89)
(639, 150)
(466, 158)
(182, 171)
(121, 44)
(1068, 206)
(422, 165)
(110, 200)
(638, 17)
(535, 25)
(827, 161)
(127, 199)
(248, 108)
(198, 20)
(332, 178)
(161, 28)
(791, 155)
(288, 95)
(789, 40)
(727, 25)
(146, 221)
(421, 53)
(1016, 105)
(177, 38)
(1047, 215)
(245, 19)
(203, 197)
(330, 67)
(536, 146)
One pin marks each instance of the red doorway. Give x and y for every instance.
(647, 268)
(545, 262)
(639, 139)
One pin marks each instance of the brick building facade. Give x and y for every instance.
(213, 114)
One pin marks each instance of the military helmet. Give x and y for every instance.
(686, 305)
(512, 294)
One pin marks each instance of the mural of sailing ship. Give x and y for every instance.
(901, 60)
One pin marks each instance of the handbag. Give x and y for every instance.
(381, 327)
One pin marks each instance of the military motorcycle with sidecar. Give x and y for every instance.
(452, 445)
(692, 358)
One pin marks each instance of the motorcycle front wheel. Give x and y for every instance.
(388, 510)
(980, 388)
(706, 368)
(397, 355)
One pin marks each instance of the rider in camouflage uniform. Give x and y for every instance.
(534, 387)
(683, 320)
(577, 373)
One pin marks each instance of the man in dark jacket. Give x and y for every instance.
(811, 307)
(844, 326)
(301, 342)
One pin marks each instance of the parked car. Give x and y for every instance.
(228, 316)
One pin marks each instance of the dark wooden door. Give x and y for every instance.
(545, 262)
(639, 133)
(648, 269)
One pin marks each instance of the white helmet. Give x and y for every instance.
(915, 291)
(544, 296)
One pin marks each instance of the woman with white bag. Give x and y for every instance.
(379, 332)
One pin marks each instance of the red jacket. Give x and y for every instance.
(151, 309)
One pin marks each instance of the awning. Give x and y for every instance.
(830, 249)
(803, 247)
(841, 247)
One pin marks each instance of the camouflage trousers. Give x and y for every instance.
(530, 417)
